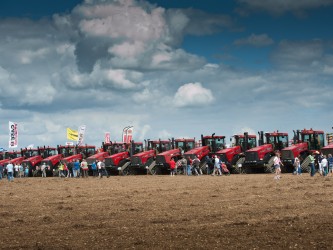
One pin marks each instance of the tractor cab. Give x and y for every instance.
(66, 151)
(184, 144)
(86, 151)
(245, 141)
(277, 140)
(214, 142)
(314, 139)
(159, 146)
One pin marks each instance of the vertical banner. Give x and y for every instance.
(127, 134)
(107, 137)
(13, 135)
(82, 130)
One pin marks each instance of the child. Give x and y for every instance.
(297, 165)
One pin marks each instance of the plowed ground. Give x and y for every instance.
(158, 212)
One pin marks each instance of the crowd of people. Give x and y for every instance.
(74, 169)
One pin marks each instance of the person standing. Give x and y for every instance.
(330, 164)
(26, 171)
(1, 171)
(217, 166)
(184, 165)
(84, 166)
(16, 169)
(94, 169)
(297, 165)
(189, 166)
(277, 165)
(76, 169)
(10, 169)
(312, 165)
(43, 169)
(324, 165)
(172, 167)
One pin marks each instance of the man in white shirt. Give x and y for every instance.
(10, 169)
(324, 165)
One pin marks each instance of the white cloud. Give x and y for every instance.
(255, 40)
(193, 94)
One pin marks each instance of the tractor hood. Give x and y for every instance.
(166, 156)
(72, 158)
(229, 153)
(33, 161)
(200, 152)
(97, 157)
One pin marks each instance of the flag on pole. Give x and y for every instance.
(72, 134)
(82, 130)
(107, 137)
(13, 135)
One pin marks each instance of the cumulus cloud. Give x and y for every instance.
(255, 40)
(193, 94)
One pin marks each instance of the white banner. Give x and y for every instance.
(81, 131)
(127, 134)
(107, 137)
(13, 135)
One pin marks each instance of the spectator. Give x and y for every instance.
(217, 166)
(196, 166)
(330, 164)
(21, 170)
(324, 165)
(16, 168)
(43, 169)
(209, 164)
(189, 166)
(61, 169)
(76, 169)
(277, 165)
(312, 165)
(10, 169)
(1, 171)
(26, 171)
(184, 165)
(172, 167)
(297, 165)
(84, 166)
(94, 168)
(69, 170)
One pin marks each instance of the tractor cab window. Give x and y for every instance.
(90, 151)
(219, 144)
(315, 141)
(252, 142)
(138, 148)
(279, 142)
(189, 145)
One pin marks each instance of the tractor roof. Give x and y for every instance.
(311, 131)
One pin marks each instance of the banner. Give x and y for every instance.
(72, 134)
(127, 134)
(107, 137)
(82, 130)
(13, 135)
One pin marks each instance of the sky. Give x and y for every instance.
(168, 68)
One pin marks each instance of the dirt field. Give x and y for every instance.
(163, 212)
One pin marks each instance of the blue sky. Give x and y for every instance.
(169, 68)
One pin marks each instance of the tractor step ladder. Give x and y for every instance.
(236, 166)
(125, 166)
(151, 166)
(269, 166)
(305, 164)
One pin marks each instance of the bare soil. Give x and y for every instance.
(163, 212)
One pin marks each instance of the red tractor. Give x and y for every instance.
(162, 163)
(234, 156)
(305, 142)
(210, 145)
(120, 154)
(142, 162)
(261, 157)
(35, 156)
(79, 153)
(13, 156)
(53, 160)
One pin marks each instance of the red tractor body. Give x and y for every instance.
(179, 147)
(305, 143)
(261, 157)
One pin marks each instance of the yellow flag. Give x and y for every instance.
(72, 134)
